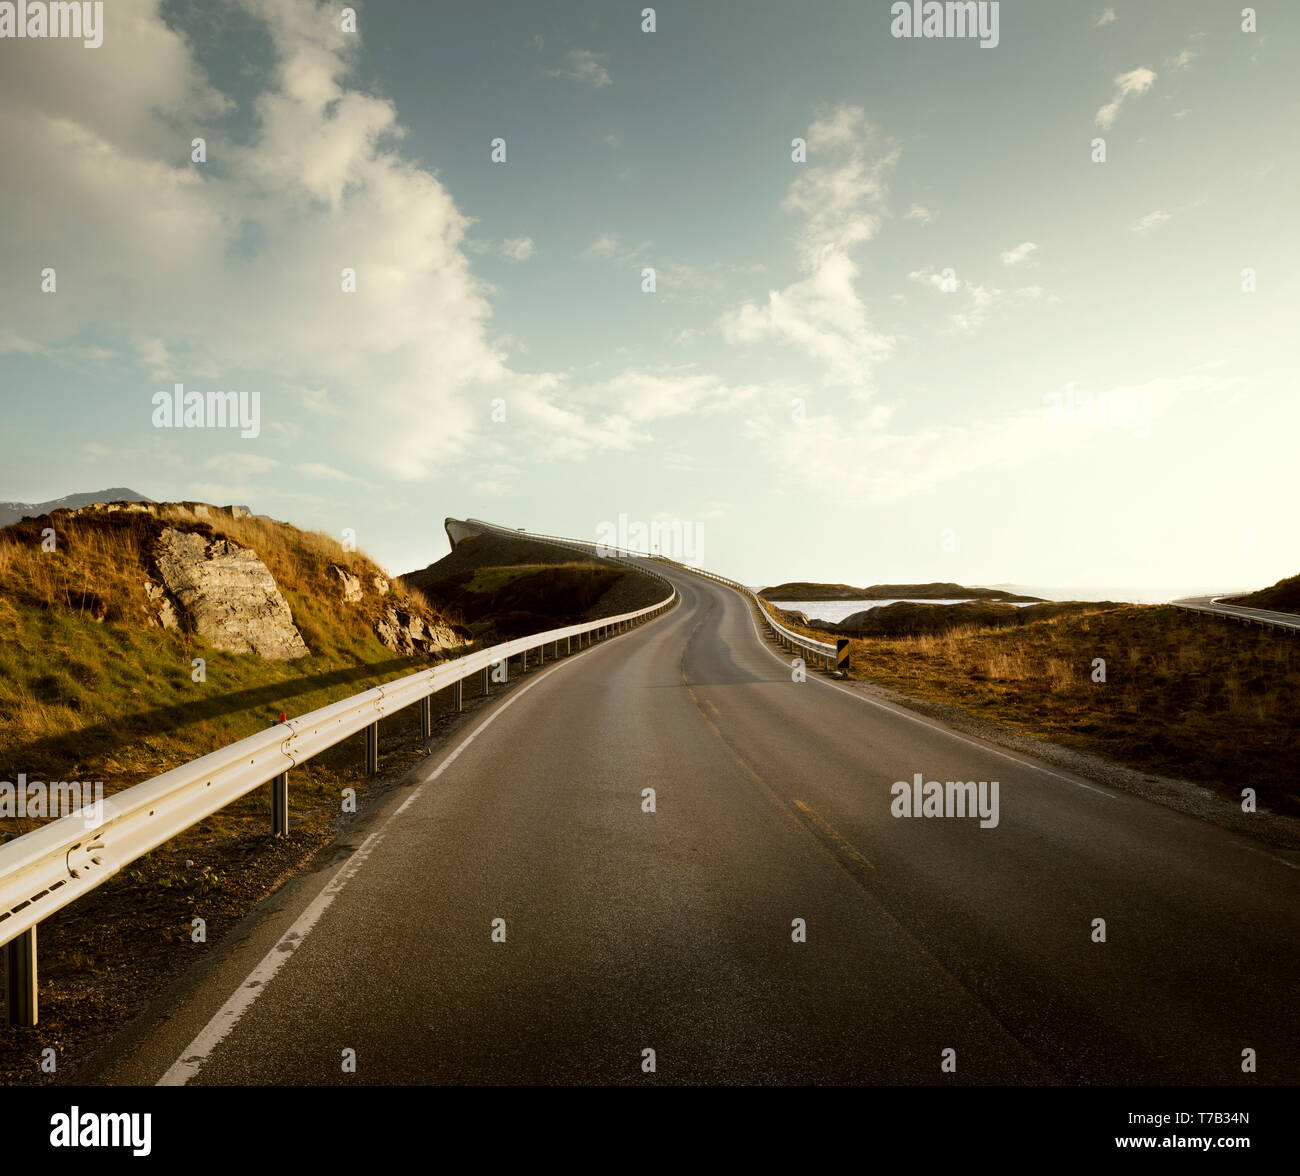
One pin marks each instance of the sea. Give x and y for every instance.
(836, 610)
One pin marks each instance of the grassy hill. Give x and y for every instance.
(92, 687)
(501, 587)
(906, 619)
(1284, 596)
(1184, 695)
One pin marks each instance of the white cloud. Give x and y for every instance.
(974, 302)
(1152, 220)
(919, 212)
(1183, 60)
(645, 396)
(237, 268)
(584, 66)
(1136, 81)
(1019, 254)
(606, 245)
(153, 353)
(518, 248)
(876, 465)
(240, 465)
(1107, 17)
(842, 203)
(318, 469)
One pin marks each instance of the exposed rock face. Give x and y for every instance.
(381, 585)
(200, 510)
(350, 584)
(158, 598)
(407, 634)
(228, 595)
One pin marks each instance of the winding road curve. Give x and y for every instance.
(672, 930)
(1238, 612)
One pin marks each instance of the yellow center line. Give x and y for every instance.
(832, 834)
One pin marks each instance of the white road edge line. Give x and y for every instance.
(974, 743)
(241, 1000)
(902, 714)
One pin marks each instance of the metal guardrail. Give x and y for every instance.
(822, 652)
(46, 869)
(1213, 606)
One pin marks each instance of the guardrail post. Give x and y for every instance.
(426, 715)
(458, 697)
(541, 655)
(523, 662)
(20, 980)
(280, 805)
(372, 749)
(568, 646)
(483, 686)
(279, 799)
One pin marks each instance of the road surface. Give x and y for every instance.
(1259, 616)
(673, 931)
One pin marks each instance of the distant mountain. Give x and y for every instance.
(802, 590)
(13, 512)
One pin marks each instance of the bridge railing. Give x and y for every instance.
(46, 869)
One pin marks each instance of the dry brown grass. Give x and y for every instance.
(91, 570)
(89, 688)
(1185, 695)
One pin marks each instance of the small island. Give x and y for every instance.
(801, 590)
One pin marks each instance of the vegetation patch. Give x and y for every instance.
(1184, 695)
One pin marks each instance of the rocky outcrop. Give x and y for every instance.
(158, 599)
(350, 584)
(200, 510)
(408, 634)
(228, 595)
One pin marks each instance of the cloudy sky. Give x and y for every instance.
(950, 343)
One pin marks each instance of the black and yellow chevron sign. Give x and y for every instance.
(842, 654)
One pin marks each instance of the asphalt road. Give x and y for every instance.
(1259, 616)
(672, 930)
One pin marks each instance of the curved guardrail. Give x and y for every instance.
(822, 652)
(46, 869)
(1213, 606)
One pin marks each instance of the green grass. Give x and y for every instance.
(110, 701)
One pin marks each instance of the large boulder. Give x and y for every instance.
(228, 595)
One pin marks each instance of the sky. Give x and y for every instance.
(1012, 313)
